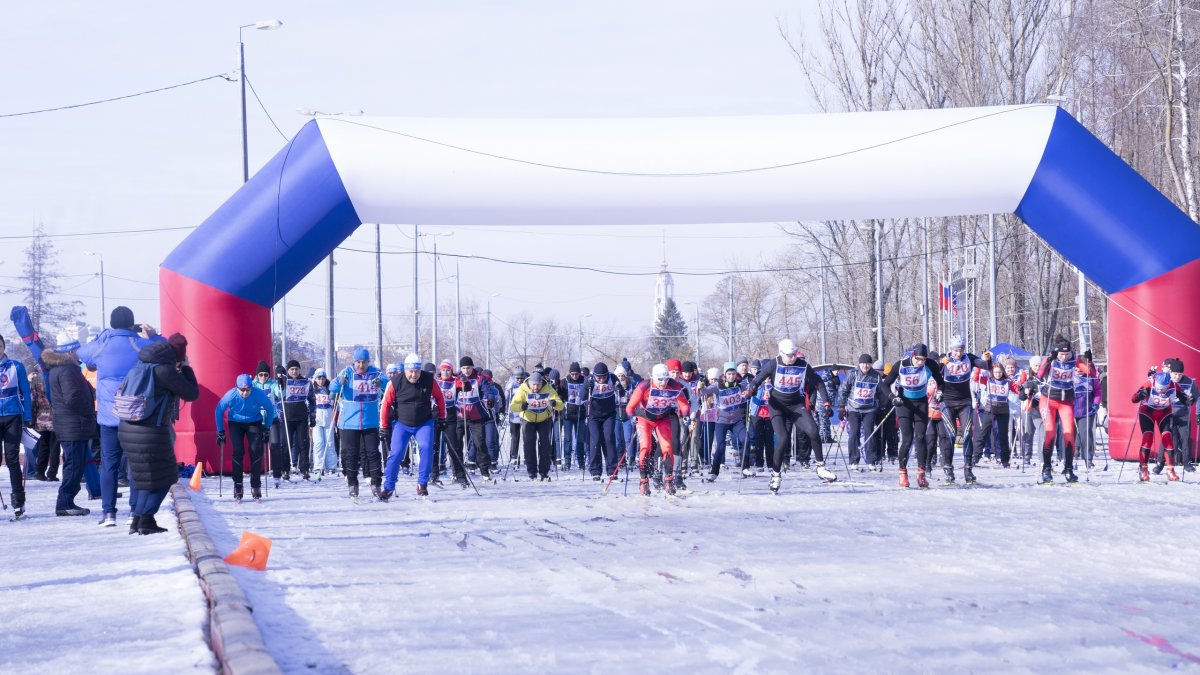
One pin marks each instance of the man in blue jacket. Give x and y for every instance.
(251, 413)
(360, 387)
(16, 412)
(112, 355)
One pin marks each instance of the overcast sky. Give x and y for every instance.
(168, 160)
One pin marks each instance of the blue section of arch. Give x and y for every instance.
(275, 229)
(1101, 215)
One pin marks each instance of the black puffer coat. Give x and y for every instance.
(74, 400)
(150, 448)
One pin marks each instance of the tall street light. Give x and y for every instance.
(269, 24)
(103, 308)
(581, 337)
(489, 330)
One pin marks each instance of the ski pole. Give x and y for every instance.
(220, 469)
(878, 426)
(614, 473)
(838, 442)
(1126, 453)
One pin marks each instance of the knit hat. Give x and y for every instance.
(429, 367)
(263, 367)
(625, 365)
(536, 378)
(361, 354)
(293, 364)
(689, 367)
(920, 349)
(1061, 346)
(660, 371)
(865, 358)
(412, 362)
(957, 342)
(574, 368)
(320, 373)
(713, 374)
(878, 365)
(674, 364)
(519, 371)
(66, 343)
(600, 368)
(730, 365)
(620, 370)
(244, 381)
(180, 343)
(553, 374)
(787, 347)
(391, 369)
(1162, 381)
(1176, 365)
(466, 361)
(756, 364)
(279, 371)
(121, 317)
(743, 359)
(446, 364)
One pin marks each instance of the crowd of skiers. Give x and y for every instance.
(679, 422)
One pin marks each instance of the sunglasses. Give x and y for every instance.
(243, 389)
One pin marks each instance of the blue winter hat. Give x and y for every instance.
(361, 354)
(730, 365)
(1162, 381)
(553, 374)
(320, 373)
(244, 381)
(392, 368)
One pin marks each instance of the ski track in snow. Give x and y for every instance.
(79, 598)
(846, 577)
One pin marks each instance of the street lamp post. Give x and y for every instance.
(581, 337)
(103, 308)
(488, 361)
(270, 24)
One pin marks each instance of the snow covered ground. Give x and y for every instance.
(855, 576)
(78, 598)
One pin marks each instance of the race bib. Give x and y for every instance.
(538, 402)
(323, 400)
(729, 399)
(788, 379)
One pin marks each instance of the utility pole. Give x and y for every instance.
(824, 354)
(434, 348)
(379, 298)
(416, 298)
(731, 326)
(925, 304)
(992, 332)
(698, 334)
(330, 346)
(878, 231)
(457, 313)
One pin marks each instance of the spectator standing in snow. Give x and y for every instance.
(74, 405)
(48, 458)
(150, 443)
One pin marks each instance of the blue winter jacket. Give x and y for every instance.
(112, 355)
(14, 390)
(253, 409)
(360, 396)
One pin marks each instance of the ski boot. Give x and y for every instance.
(903, 477)
(949, 471)
(1189, 467)
(776, 479)
(422, 491)
(305, 476)
(922, 481)
(375, 491)
(75, 511)
(1047, 474)
(968, 475)
(237, 493)
(545, 478)
(669, 480)
(277, 482)
(256, 494)
(712, 478)
(747, 473)
(658, 480)
(461, 481)
(645, 487)
(1143, 473)
(825, 474)
(1171, 475)
(354, 490)
(384, 495)
(146, 525)
(681, 486)
(1069, 473)
(134, 523)
(1158, 468)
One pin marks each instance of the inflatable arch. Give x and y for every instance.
(1035, 161)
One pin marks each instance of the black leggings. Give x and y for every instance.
(861, 424)
(786, 418)
(246, 437)
(10, 434)
(984, 430)
(913, 416)
(361, 447)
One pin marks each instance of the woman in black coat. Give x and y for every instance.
(73, 402)
(150, 445)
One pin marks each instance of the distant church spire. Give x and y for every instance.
(664, 286)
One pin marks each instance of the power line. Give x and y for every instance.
(95, 233)
(116, 98)
(264, 109)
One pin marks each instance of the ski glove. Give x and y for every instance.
(312, 422)
(937, 398)
(385, 438)
(897, 401)
(1087, 355)
(1023, 396)
(842, 413)
(524, 406)
(220, 438)
(466, 385)
(1141, 395)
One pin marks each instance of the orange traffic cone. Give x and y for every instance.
(251, 552)
(194, 483)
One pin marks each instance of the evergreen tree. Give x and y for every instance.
(41, 286)
(670, 334)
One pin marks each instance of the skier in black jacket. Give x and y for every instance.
(299, 415)
(792, 381)
(912, 407)
(858, 404)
